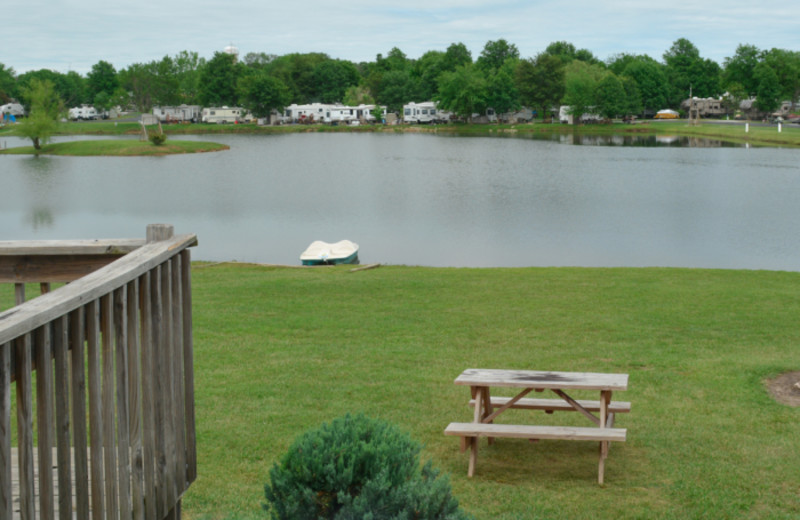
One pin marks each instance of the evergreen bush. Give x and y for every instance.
(158, 139)
(358, 468)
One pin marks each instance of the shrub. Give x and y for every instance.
(158, 139)
(358, 468)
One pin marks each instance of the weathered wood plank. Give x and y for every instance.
(134, 396)
(120, 319)
(44, 420)
(5, 431)
(25, 426)
(79, 430)
(95, 407)
(64, 462)
(148, 396)
(541, 379)
(188, 367)
(35, 269)
(569, 433)
(559, 404)
(119, 246)
(109, 432)
(176, 353)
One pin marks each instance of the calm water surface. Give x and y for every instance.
(428, 200)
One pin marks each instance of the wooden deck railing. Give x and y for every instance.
(107, 428)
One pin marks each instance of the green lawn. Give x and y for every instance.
(279, 351)
(112, 147)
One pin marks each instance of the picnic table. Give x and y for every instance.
(487, 408)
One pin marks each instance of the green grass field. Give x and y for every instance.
(279, 351)
(121, 148)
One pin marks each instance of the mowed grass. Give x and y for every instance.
(279, 351)
(113, 147)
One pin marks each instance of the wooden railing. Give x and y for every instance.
(114, 384)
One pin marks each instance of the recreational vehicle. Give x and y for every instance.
(83, 112)
(566, 117)
(12, 109)
(223, 115)
(425, 112)
(179, 114)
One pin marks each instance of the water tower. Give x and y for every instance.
(233, 51)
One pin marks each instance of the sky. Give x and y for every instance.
(73, 35)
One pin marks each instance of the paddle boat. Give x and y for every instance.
(323, 253)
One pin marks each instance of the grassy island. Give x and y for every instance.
(119, 148)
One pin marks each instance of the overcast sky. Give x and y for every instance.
(66, 35)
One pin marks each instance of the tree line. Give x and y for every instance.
(624, 84)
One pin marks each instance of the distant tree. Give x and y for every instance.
(651, 81)
(688, 73)
(332, 78)
(580, 88)
(786, 65)
(610, 97)
(501, 91)
(565, 51)
(395, 89)
(261, 93)
(462, 91)
(218, 81)
(73, 89)
(633, 97)
(258, 60)
(427, 70)
(495, 54)
(46, 108)
(8, 83)
(540, 82)
(740, 68)
(187, 66)
(456, 55)
(733, 97)
(357, 95)
(297, 72)
(102, 78)
(768, 90)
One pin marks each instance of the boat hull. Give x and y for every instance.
(322, 253)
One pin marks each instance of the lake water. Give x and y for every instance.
(422, 199)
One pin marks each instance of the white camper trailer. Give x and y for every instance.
(223, 115)
(84, 112)
(425, 112)
(179, 114)
(12, 109)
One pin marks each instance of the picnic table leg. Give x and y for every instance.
(473, 455)
(480, 395)
(487, 408)
(605, 400)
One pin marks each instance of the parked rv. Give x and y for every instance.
(565, 117)
(224, 115)
(327, 113)
(83, 112)
(12, 109)
(179, 114)
(425, 112)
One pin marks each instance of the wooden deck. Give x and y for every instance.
(15, 484)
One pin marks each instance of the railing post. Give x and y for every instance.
(159, 232)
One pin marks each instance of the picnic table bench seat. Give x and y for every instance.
(576, 433)
(559, 405)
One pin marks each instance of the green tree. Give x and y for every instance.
(297, 72)
(46, 108)
(427, 70)
(495, 54)
(786, 65)
(687, 73)
(501, 91)
(540, 82)
(332, 78)
(651, 81)
(580, 88)
(455, 56)
(218, 81)
(740, 68)
(462, 91)
(261, 93)
(633, 97)
(357, 95)
(102, 78)
(610, 97)
(768, 90)
(8, 83)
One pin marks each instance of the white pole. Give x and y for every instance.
(747, 128)
(779, 127)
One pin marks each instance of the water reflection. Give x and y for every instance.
(635, 140)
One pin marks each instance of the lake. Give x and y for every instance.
(421, 199)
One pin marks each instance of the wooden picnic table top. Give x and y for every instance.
(542, 379)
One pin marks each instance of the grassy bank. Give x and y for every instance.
(121, 148)
(279, 351)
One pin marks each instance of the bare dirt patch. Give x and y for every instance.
(786, 388)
